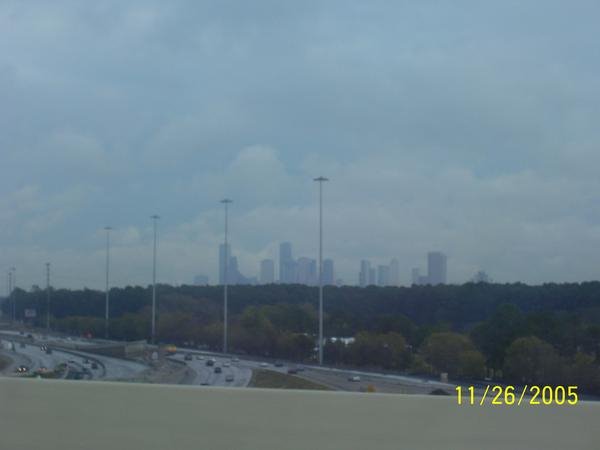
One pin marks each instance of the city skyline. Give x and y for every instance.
(257, 107)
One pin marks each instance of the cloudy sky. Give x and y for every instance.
(464, 126)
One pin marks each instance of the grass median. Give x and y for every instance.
(277, 380)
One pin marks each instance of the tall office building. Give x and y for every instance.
(383, 275)
(328, 272)
(306, 271)
(234, 276)
(267, 271)
(394, 272)
(416, 276)
(436, 268)
(372, 276)
(363, 275)
(287, 265)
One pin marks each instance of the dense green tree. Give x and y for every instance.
(531, 360)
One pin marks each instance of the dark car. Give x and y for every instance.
(22, 369)
(278, 364)
(94, 365)
(218, 370)
(292, 371)
(210, 363)
(188, 357)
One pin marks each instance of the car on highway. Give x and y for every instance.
(210, 362)
(188, 357)
(264, 364)
(234, 359)
(292, 371)
(218, 369)
(94, 365)
(205, 383)
(278, 364)
(229, 378)
(354, 378)
(199, 357)
(22, 369)
(226, 364)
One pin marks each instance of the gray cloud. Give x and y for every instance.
(461, 126)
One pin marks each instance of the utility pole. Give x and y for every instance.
(47, 297)
(320, 180)
(106, 315)
(226, 202)
(153, 335)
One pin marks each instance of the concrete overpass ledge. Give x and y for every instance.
(50, 414)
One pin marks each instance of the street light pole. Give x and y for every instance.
(320, 180)
(106, 315)
(47, 297)
(12, 302)
(153, 337)
(225, 202)
(13, 291)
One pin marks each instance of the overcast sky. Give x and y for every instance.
(464, 126)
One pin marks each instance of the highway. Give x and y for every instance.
(31, 355)
(206, 376)
(241, 370)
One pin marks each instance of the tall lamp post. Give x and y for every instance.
(320, 180)
(106, 315)
(12, 303)
(154, 219)
(225, 202)
(13, 291)
(47, 297)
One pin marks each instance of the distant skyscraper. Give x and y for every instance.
(383, 275)
(394, 272)
(306, 271)
(200, 280)
(224, 254)
(267, 271)
(328, 272)
(287, 265)
(436, 268)
(481, 277)
(416, 276)
(363, 275)
(234, 276)
(372, 276)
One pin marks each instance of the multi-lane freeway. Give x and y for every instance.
(232, 371)
(31, 355)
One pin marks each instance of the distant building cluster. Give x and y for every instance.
(291, 271)
(436, 270)
(304, 270)
(234, 276)
(380, 275)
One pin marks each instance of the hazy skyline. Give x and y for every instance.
(464, 127)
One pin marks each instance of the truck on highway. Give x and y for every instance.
(170, 349)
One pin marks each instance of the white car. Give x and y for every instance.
(354, 378)
(264, 364)
(226, 364)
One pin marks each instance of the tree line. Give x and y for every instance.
(508, 332)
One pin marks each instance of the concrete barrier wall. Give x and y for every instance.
(65, 415)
